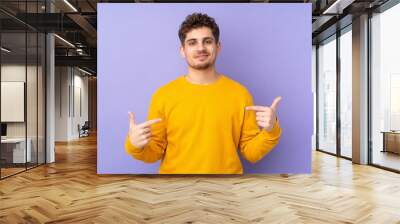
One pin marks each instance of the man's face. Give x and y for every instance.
(200, 48)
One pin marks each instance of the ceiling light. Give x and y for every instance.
(65, 41)
(338, 6)
(70, 5)
(84, 71)
(5, 50)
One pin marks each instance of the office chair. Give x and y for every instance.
(84, 130)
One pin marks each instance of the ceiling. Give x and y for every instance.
(76, 22)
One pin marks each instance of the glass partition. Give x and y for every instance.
(22, 77)
(13, 109)
(327, 95)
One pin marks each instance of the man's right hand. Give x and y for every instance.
(140, 134)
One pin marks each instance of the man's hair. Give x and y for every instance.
(198, 20)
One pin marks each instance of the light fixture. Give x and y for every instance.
(5, 50)
(64, 40)
(70, 5)
(84, 71)
(338, 6)
(79, 51)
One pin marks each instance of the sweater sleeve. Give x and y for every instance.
(255, 144)
(155, 149)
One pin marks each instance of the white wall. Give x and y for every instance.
(15, 72)
(71, 102)
(61, 103)
(314, 91)
(12, 73)
(80, 110)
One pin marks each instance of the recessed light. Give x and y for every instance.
(64, 40)
(5, 50)
(70, 5)
(86, 72)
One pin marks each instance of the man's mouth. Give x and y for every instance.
(203, 56)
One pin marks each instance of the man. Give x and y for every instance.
(197, 122)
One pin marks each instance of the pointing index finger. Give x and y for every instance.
(149, 122)
(255, 108)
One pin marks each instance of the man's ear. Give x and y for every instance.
(182, 52)
(219, 47)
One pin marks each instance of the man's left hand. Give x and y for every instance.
(266, 116)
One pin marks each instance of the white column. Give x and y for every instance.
(50, 84)
(360, 90)
(50, 110)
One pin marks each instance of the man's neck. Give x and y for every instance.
(206, 76)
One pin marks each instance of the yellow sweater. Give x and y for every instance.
(202, 128)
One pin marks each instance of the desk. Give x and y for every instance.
(391, 141)
(17, 150)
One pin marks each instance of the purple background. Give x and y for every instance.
(266, 47)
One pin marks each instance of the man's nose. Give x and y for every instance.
(200, 47)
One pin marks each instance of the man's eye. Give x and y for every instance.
(191, 43)
(208, 41)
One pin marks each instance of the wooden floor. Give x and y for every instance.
(70, 191)
(387, 159)
(5, 172)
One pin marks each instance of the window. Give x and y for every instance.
(385, 88)
(346, 92)
(327, 95)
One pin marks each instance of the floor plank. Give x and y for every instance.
(70, 191)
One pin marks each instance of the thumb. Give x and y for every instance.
(275, 103)
(131, 119)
